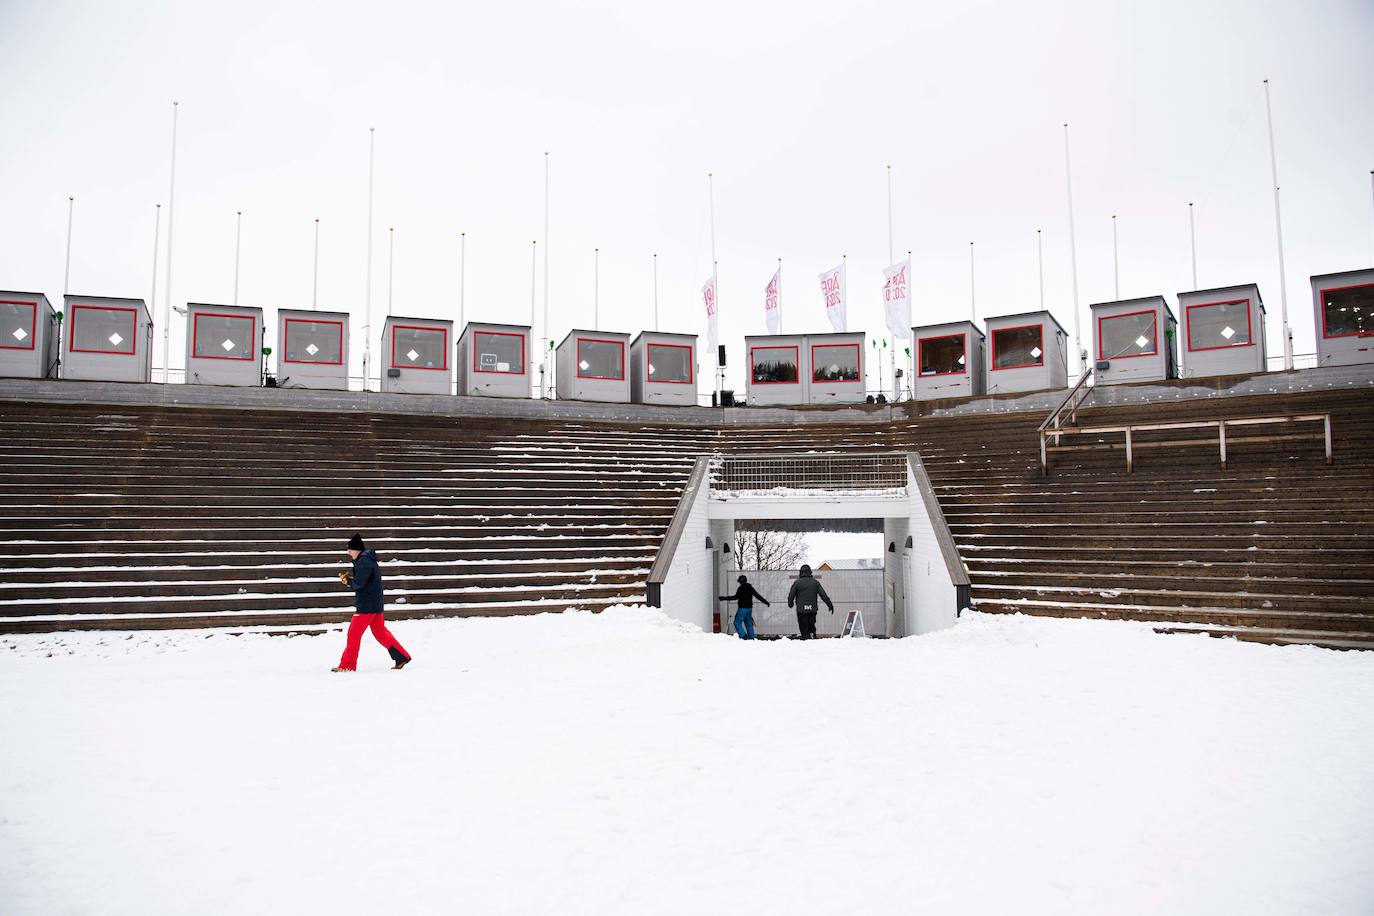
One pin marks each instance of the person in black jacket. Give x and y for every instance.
(366, 581)
(804, 593)
(744, 617)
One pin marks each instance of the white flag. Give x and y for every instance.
(832, 288)
(897, 298)
(772, 297)
(708, 296)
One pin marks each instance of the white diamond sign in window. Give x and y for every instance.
(1141, 341)
(1228, 332)
(651, 368)
(20, 333)
(115, 340)
(1036, 352)
(412, 355)
(961, 360)
(227, 345)
(584, 365)
(312, 349)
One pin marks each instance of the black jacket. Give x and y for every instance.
(745, 595)
(805, 591)
(367, 584)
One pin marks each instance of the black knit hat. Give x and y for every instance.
(356, 542)
(743, 579)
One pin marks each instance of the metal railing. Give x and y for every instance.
(663, 560)
(1221, 426)
(1052, 426)
(762, 473)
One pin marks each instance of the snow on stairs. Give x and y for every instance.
(125, 518)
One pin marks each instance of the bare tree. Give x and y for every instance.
(757, 547)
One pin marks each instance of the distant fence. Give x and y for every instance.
(808, 471)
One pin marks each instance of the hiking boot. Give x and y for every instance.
(342, 669)
(401, 663)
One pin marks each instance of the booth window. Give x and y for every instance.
(942, 355)
(670, 364)
(1214, 325)
(1018, 348)
(223, 336)
(835, 362)
(773, 365)
(1124, 336)
(415, 347)
(18, 324)
(603, 359)
(104, 329)
(314, 342)
(498, 351)
(1348, 312)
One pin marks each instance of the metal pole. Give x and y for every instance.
(315, 282)
(972, 289)
(1073, 255)
(655, 291)
(1040, 261)
(1371, 194)
(889, 215)
(367, 294)
(390, 265)
(1116, 265)
(544, 346)
(779, 295)
(1278, 228)
(238, 236)
(67, 271)
(534, 289)
(715, 269)
(171, 213)
(152, 297)
(462, 279)
(1192, 241)
(596, 289)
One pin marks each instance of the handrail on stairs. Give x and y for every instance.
(1072, 401)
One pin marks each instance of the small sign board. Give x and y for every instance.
(487, 361)
(853, 625)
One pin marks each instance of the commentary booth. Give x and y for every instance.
(493, 360)
(1029, 352)
(948, 360)
(592, 367)
(1344, 305)
(312, 349)
(1134, 340)
(416, 352)
(1223, 331)
(28, 336)
(663, 368)
(837, 368)
(223, 345)
(805, 369)
(107, 339)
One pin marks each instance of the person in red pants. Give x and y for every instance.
(366, 582)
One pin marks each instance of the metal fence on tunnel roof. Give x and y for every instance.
(762, 473)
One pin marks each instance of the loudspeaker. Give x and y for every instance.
(720, 354)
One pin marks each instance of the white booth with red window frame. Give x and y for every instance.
(494, 360)
(1223, 331)
(594, 366)
(837, 368)
(106, 339)
(28, 336)
(777, 372)
(1134, 341)
(223, 345)
(312, 349)
(948, 360)
(416, 354)
(1026, 352)
(663, 368)
(1344, 304)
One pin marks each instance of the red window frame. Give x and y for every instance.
(239, 359)
(858, 360)
(796, 361)
(1154, 337)
(71, 335)
(649, 358)
(33, 324)
(286, 339)
(419, 327)
(921, 345)
(476, 368)
(992, 333)
(1188, 325)
(600, 378)
(1339, 289)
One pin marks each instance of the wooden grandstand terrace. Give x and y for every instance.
(122, 516)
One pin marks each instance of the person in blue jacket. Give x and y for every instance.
(366, 581)
(744, 618)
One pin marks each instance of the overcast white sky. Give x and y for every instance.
(795, 108)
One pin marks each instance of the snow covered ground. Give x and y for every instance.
(621, 764)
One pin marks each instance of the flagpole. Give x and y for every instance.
(67, 271)
(152, 297)
(171, 213)
(1116, 265)
(889, 214)
(238, 237)
(596, 289)
(1073, 256)
(1040, 261)
(844, 289)
(779, 295)
(390, 265)
(655, 292)
(315, 277)
(1278, 228)
(462, 278)
(715, 268)
(1192, 241)
(972, 287)
(367, 295)
(544, 342)
(534, 289)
